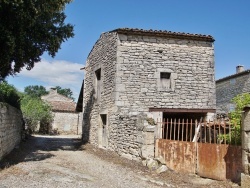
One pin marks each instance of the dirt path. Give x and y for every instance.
(61, 161)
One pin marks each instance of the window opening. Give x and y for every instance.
(232, 81)
(98, 74)
(104, 130)
(98, 84)
(165, 79)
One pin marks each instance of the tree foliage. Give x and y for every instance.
(65, 91)
(38, 91)
(35, 91)
(28, 29)
(35, 111)
(9, 94)
(240, 101)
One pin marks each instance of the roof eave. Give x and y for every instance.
(233, 76)
(160, 33)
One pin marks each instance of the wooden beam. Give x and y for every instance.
(181, 110)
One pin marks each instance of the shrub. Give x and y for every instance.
(35, 111)
(240, 102)
(9, 94)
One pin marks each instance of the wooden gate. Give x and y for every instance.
(209, 149)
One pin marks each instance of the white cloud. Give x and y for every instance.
(57, 73)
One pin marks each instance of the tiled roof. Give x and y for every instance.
(59, 102)
(165, 33)
(62, 106)
(233, 75)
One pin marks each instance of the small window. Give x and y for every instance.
(98, 74)
(165, 75)
(98, 84)
(104, 119)
(232, 81)
(231, 107)
(165, 80)
(104, 141)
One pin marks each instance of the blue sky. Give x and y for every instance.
(227, 21)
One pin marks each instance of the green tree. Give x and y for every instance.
(240, 102)
(28, 29)
(9, 94)
(35, 111)
(35, 91)
(66, 92)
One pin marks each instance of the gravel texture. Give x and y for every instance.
(62, 161)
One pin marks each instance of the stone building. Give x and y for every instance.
(65, 119)
(230, 86)
(133, 76)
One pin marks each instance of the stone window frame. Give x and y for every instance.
(172, 79)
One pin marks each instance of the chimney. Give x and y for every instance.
(239, 68)
(53, 90)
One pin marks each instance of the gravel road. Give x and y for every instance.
(62, 161)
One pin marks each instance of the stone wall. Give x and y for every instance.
(102, 56)
(67, 123)
(140, 61)
(245, 139)
(130, 84)
(226, 89)
(10, 128)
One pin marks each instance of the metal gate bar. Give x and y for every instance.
(213, 153)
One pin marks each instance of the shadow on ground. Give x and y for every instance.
(40, 147)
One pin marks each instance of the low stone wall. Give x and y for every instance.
(10, 128)
(67, 123)
(245, 139)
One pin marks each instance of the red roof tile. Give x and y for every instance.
(62, 106)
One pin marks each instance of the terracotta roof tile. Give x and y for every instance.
(165, 33)
(62, 106)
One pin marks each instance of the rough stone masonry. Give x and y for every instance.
(129, 71)
(10, 128)
(245, 139)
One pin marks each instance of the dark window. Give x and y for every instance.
(104, 119)
(165, 80)
(165, 75)
(104, 130)
(98, 84)
(98, 74)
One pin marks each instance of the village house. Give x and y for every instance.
(135, 77)
(229, 87)
(65, 119)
